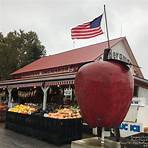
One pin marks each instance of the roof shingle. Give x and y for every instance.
(75, 56)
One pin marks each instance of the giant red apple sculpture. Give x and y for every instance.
(104, 91)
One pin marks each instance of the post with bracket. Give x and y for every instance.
(44, 89)
(9, 97)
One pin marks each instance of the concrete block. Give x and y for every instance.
(95, 142)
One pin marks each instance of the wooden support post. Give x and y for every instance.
(44, 89)
(9, 98)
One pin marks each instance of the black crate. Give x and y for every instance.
(139, 140)
(65, 130)
(11, 116)
(2, 115)
(57, 131)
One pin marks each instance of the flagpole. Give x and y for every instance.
(74, 43)
(106, 28)
(106, 51)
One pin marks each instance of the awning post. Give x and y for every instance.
(44, 89)
(9, 97)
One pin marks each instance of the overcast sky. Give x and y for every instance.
(53, 19)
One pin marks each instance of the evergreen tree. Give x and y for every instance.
(18, 49)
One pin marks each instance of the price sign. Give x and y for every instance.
(68, 92)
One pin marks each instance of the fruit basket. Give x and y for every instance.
(64, 113)
(23, 109)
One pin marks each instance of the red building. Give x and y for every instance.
(60, 69)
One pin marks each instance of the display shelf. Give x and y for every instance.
(56, 131)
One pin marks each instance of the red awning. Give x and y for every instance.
(25, 85)
(39, 84)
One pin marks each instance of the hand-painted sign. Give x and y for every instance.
(67, 92)
(118, 56)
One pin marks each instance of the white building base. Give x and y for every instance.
(94, 142)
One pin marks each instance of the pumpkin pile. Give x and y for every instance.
(65, 113)
(23, 109)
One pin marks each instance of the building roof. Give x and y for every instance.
(71, 57)
(141, 82)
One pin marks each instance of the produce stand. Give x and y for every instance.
(56, 131)
(55, 121)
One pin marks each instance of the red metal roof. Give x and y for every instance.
(75, 56)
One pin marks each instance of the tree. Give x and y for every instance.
(18, 49)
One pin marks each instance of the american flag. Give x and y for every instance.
(87, 30)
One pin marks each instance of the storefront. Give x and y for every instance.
(44, 108)
(48, 82)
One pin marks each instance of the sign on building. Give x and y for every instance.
(68, 93)
(128, 128)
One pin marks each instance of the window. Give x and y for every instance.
(136, 91)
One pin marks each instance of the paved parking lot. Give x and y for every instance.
(10, 139)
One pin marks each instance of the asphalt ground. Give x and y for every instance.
(10, 139)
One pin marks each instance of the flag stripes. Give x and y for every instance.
(87, 30)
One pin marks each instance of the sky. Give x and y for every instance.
(53, 19)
